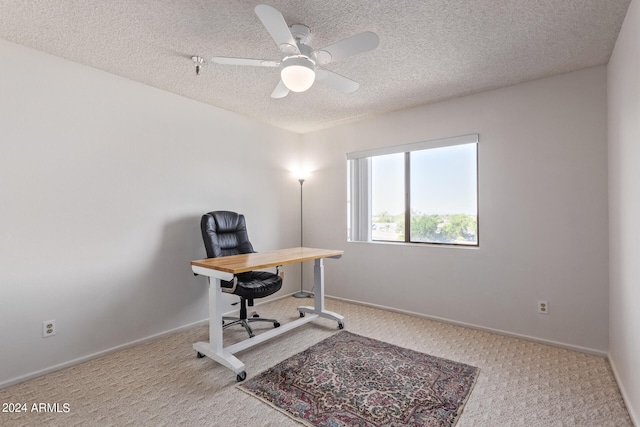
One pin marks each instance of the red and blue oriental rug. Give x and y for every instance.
(351, 380)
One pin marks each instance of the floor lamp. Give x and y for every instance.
(302, 293)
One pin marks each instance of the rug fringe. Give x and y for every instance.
(282, 411)
(463, 404)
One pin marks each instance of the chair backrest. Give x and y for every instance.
(225, 233)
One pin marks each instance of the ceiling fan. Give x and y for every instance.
(300, 65)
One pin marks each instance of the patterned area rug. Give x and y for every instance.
(351, 380)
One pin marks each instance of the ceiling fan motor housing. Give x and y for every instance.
(301, 33)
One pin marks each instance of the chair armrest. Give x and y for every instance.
(230, 289)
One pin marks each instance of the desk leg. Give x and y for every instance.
(318, 281)
(214, 348)
(215, 315)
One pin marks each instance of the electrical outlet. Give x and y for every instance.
(543, 307)
(48, 328)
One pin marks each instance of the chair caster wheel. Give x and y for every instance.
(199, 355)
(301, 314)
(241, 376)
(340, 325)
(276, 324)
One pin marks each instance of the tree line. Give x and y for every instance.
(438, 228)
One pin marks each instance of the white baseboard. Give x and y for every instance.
(481, 328)
(634, 418)
(86, 358)
(89, 357)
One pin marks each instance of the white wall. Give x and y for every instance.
(624, 209)
(542, 213)
(103, 182)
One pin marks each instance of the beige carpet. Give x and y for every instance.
(163, 383)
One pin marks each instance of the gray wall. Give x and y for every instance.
(542, 213)
(103, 184)
(624, 209)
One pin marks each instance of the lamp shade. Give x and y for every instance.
(298, 73)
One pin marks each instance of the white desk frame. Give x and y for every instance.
(225, 355)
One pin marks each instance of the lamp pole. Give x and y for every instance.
(302, 293)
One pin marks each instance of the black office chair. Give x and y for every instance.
(225, 233)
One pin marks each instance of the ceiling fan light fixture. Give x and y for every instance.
(298, 73)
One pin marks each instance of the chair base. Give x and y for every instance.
(245, 322)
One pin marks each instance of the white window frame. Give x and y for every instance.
(359, 185)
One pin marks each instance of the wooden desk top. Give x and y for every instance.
(247, 262)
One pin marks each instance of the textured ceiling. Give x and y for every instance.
(429, 50)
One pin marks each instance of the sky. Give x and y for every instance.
(443, 181)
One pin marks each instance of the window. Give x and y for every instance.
(425, 192)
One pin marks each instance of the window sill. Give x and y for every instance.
(413, 244)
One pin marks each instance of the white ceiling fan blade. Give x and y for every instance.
(280, 91)
(336, 81)
(277, 27)
(354, 45)
(245, 61)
